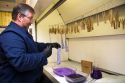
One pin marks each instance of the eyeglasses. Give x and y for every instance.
(30, 18)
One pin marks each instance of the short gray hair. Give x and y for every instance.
(21, 8)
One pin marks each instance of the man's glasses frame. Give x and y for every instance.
(30, 18)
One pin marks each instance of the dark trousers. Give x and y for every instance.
(44, 79)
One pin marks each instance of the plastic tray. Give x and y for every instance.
(63, 71)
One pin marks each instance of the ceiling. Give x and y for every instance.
(73, 10)
(70, 11)
(40, 6)
(7, 5)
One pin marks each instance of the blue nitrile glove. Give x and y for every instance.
(54, 45)
(48, 51)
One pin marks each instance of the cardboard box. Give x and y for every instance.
(86, 66)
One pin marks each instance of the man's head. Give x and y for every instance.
(22, 14)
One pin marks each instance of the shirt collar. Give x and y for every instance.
(16, 27)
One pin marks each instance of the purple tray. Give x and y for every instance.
(63, 71)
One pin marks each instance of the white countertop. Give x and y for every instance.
(48, 70)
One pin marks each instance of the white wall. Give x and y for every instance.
(32, 27)
(104, 49)
(107, 52)
(43, 34)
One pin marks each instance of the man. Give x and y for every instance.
(22, 59)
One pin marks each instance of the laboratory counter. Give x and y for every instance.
(106, 78)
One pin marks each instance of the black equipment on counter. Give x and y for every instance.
(96, 73)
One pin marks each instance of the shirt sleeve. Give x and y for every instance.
(15, 51)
